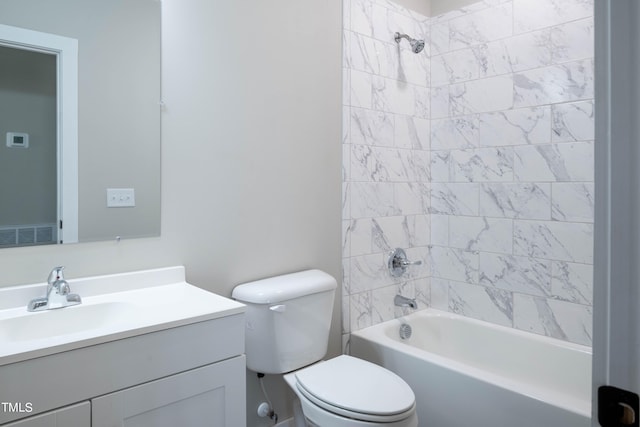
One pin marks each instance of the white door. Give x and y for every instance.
(211, 396)
(616, 342)
(66, 51)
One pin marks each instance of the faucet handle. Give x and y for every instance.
(398, 262)
(55, 275)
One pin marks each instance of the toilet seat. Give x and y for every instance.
(356, 389)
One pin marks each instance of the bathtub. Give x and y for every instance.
(470, 373)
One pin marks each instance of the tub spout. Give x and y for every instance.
(401, 301)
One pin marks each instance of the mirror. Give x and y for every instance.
(118, 117)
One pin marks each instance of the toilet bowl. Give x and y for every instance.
(346, 391)
(288, 319)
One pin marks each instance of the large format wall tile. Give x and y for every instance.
(535, 14)
(387, 159)
(481, 27)
(521, 200)
(480, 96)
(475, 156)
(573, 122)
(531, 276)
(554, 162)
(482, 165)
(563, 241)
(489, 304)
(558, 319)
(454, 264)
(515, 127)
(481, 234)
(564, 82)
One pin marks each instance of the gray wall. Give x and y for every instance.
(434, 7)
(421, 6)
(28, 105)
(250, 154)
(439, 7)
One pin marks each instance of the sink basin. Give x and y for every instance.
(64, 321)
(113, 307)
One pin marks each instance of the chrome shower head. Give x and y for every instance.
(416, 45)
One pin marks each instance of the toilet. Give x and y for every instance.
(287, 332)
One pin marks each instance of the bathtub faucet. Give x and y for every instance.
(401, 301)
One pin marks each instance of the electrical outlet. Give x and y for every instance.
(121, 197)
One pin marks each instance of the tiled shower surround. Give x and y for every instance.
(476, 156)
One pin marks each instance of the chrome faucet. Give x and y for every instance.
(401, 301)
(58, 294)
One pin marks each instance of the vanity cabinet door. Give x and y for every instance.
(72, 416)
(211, 396)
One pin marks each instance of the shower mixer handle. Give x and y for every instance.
(398, 262)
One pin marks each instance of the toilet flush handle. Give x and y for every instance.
(280, 308)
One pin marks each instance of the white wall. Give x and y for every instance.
(250, 152)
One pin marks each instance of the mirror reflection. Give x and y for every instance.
(117, 122)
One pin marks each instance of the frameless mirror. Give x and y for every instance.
(105, 150)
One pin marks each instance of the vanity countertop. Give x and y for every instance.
(113, 307)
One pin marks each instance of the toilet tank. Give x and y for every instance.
(287, 320)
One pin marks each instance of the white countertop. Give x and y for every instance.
(113, 307)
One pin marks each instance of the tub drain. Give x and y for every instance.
(405, 331)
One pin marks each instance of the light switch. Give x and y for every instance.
(121, 197)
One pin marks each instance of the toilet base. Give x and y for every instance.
(299, 419)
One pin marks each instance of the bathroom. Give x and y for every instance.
(252, 172)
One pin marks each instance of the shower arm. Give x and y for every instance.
(399, 36)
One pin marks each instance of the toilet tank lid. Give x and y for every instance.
(286, 287)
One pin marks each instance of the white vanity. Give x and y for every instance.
(142, 349)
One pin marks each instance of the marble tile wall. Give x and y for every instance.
(477, 157)
(512, 164)
(386, 159)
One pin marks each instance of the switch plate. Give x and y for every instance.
(17, 139)
(121, 197)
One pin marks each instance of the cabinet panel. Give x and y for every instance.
(72, 416)
(213, 395)
(119, 364)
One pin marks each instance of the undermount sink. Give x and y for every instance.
(64, 321)
(113, 307)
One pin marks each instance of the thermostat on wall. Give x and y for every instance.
(17, 139)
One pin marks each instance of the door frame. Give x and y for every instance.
(66, 51)
(616, 335)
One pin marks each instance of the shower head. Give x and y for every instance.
(416, 45)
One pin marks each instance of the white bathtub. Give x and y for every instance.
(469, 373)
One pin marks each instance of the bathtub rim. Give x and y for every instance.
(376, 334)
